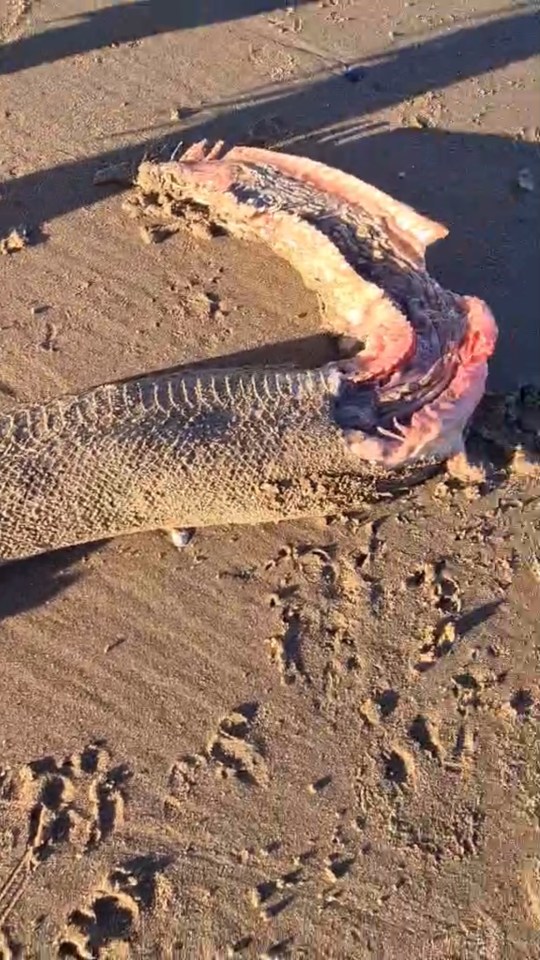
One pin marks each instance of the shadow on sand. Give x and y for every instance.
(27, 584)
(467, 180)
(122, 23)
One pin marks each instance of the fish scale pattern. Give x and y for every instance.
(176, 450)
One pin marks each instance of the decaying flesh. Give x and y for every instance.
(421, 366)
(192, 448)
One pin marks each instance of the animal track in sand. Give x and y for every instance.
(373, 550)
(398, 767)
(380, 707)
(310, 874)
(183, 776)
(436, 642)
(338, 866)
(285, 649)
(272, 897)
(79, 801)
(317, 597)
(443, 590)
(475, 688)
(459, 837)
(110, 922)
(522, 702)
(234, 751)
(319, 874)
(312, 565)
(424, 731)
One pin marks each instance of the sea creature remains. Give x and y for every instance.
(189, 448)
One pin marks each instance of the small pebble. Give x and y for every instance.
(181, 538)
(420, 121)
(525, 180)
(319, 785)
(354, 74)
(17, 239)
(121, 173)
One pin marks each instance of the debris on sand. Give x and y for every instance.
(180, 113)
(50, 340)
(119, 173)
(156, 233)
(421, 122)
(525, 180)
(354, 74)
(17, 239)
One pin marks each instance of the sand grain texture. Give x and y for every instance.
(306, 740)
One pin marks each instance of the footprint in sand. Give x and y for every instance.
(77, 801)
(235, 751)
(109, 923)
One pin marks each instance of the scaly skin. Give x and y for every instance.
(363, 254)
(189, 450)
(179, 450)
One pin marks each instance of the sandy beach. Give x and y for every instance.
(316, 739)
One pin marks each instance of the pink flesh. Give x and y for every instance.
(388, 338)
(363, 309)
(402, 222)
(437, 429)
(356, 307)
